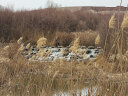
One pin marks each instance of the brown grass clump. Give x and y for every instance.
(97, 40)
(112, 22)
(125, 21)
(44, 79)
(41, 42)
(75, 46)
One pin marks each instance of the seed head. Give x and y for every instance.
(125, 21)
(97, 40)
(28, 45)
(41, 42)
(112, 22)
(20, 40)
(21, 47)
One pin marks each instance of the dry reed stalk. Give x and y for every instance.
(21, 47)
(55, 74)
(20, 40)
(41, 42)
(75, 46)
(112, 22)
(84, 56)
(112, 25)
(28, 45)
(97, 40)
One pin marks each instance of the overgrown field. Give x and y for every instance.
(105, 75)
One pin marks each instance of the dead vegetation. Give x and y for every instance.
(108, 72)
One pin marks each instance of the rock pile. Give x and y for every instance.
(49, 54)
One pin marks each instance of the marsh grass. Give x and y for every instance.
(22, 77)
(108, 73)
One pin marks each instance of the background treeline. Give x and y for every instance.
(48, 22)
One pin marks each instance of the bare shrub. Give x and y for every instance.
(87, 38)
(63, 39)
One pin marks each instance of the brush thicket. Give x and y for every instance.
(21, 48)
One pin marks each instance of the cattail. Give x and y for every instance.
(41, 42)
(97, 40)
(28, 45)
(21, 47)
(20, 40)
(6, 48)
(112, 22)
(125, 21)
(75, 46)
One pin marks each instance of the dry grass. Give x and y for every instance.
(74, 48)
(87, 38)
(28, 45)
(38, 79)
(108, 72)
(41, 42)
(97, 40)
(20, 40)
(125, 21)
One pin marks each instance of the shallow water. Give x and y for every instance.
(83, 92)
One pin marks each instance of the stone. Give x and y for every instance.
(83, 47)
(88, 52)
(91, 47)
(91, 56)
